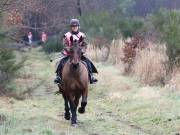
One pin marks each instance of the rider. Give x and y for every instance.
(75, 26)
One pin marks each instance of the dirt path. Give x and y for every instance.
(117, 105)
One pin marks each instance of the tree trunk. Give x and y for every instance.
(79, 7)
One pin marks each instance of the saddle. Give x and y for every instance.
(85, 61)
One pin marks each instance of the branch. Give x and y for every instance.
(6, 4)
(5, 35)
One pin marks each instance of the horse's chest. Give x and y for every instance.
(74, 85)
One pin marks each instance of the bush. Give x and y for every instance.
(130, 26)
(8, 65)
(167, 23)
(100, 24)
(109, 26)
(52, 45)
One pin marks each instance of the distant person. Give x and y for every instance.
(43, 37)
(75, 32)
(30, 36)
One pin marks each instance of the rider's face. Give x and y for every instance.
(74, 28)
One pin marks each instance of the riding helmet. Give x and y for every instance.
(74, 22)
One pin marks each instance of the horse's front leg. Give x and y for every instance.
(67, 113)
(83, 102)
(73, 108)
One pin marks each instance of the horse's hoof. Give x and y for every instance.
(74, 125)
(67, 116)
(81, 110)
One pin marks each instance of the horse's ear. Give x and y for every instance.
(71, 39)
(80, 39)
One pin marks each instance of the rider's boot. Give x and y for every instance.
(57, 80)
(93, 80)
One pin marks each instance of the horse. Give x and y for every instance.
(74, 82)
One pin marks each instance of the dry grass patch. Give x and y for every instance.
(150, 64)
(174, 83)
(112, 54)
(116, 52)
(147, 93)
(97, 54)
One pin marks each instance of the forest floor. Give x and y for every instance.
(117, 104)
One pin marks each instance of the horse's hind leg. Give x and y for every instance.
(67, 113)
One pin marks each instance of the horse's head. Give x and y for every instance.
(76, 51)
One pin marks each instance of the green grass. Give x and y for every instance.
(117, 105)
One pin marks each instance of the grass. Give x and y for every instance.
(117, 105)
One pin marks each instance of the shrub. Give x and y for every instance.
(167, 23)
(9, 65)
(52, 45)
(100, 24)
(106, 26)
(130, 26)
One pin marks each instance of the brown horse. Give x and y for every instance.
(74, 82)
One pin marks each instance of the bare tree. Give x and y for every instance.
(5, 4)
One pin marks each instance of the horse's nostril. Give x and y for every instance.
(75, 65)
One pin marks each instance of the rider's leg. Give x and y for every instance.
(91, 77)
(59, 70)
